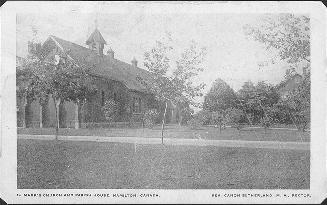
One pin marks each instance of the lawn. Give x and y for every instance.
(46, 164)
(175, 131)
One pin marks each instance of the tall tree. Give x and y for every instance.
(218, 100)
(297, 103)
(220, 97)
(288, 33)
(174, 84)
(62, 78)
(257, 100)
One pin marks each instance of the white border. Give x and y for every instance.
(8, 159)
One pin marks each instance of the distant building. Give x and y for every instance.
(115, 79)
(288, 85)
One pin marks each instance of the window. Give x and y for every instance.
(102, 98)
(139, 105)
(136, 105)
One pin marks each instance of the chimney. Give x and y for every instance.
(134, 62)
(111, 54)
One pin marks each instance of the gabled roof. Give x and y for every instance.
(103, 66)
(286, 84)
(96, 37)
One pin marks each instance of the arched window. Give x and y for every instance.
(140, 105)
(137, 105)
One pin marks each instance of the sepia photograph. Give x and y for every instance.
(163, 100)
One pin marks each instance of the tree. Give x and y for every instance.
(297, 104)
(203, 116)
(257, 101)
(63, 79)
(150, 117)
(218, 118)
(220, 97)
(234, 116)
(185, 114)
(175, 86)
(288, 33)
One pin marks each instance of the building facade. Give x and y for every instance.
(114, 79)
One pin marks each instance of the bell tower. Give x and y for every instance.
(96, 42)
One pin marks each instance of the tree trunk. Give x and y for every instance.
(77, 115)
(24, 114)
(57, 103)
(163, 123)
(41, 116)
(180, 120)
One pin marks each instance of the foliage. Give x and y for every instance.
(185, 114)
(257, 100)
(66, 80)
(217, 118)
(151, 117)
(288, 33)
(265, 122)
(187, 67)
(220, 97)
(110, 110)
(234, 116)
(297, 104)
(175, 86)
(204, 117)
(194, 123)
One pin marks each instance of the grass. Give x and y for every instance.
(181, 132)
(44, 164)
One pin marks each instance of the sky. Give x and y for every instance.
(231, 55)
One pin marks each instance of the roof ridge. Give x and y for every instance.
(116, 69)
(69, 42)
(96, 35)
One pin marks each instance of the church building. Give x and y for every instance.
(113, 78)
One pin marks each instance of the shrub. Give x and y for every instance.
(234, 116)
(194, 123)
(150, 117)
(204, 117)
(265, 122)
(185, 115)
(110, 110)
(218, 119)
